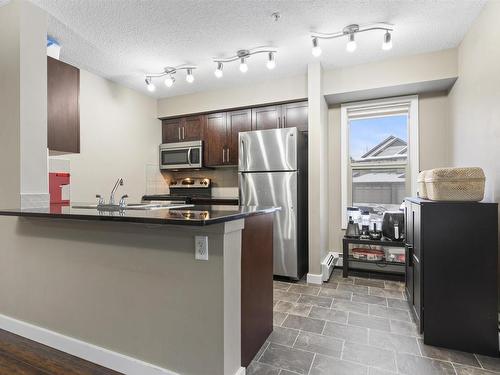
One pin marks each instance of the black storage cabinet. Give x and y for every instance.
(451, 273)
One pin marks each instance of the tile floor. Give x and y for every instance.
(353, 326)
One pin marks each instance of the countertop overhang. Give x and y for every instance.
(194, 216)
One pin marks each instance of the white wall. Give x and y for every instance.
(400, 71)
(23, 105)
(475, 100)
(290, 88)
(119, 135)
(318, 176)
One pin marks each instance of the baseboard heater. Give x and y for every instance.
(328, 264)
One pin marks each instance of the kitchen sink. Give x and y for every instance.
(133, 206)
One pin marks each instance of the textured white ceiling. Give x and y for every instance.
(124, 39)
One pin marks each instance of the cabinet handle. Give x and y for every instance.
(183, 132)
(179, 133)
(223, 155)
(228, 155)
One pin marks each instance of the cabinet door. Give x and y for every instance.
(215, 139)
(171, 130)
(192, 128)
(63, 110)
(237, 121)
(266, 117)
(295, 115)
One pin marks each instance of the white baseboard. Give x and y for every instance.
(315, 278)
(241, 371)
(104, 357)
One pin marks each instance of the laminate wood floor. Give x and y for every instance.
(20, 356)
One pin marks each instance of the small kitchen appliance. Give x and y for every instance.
(393, 225)
(352, 230)
(181, 155)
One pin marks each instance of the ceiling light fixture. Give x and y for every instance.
(218, 72)
(351, 44)
(190, 76)
(170, 72)
(316, 50)
(271, 61)
(350, 32)
(387, 45)
(243, 65)
(150, 85)
(169, 81)
(243, 55)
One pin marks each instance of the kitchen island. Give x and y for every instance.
(124, 290)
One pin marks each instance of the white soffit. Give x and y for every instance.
(124, 40)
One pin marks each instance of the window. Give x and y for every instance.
(379, 154)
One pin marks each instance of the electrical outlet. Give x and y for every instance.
(201, 247)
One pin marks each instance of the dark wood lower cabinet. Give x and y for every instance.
(452, 273)
(256, 285)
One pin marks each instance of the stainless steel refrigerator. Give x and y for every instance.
(273, 172)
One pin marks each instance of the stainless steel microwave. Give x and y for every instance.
(181, 155)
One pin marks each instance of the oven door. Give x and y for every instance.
(183, 155)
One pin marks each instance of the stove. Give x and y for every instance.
(184, 190)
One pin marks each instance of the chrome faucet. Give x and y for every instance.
(119, 182)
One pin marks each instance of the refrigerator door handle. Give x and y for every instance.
(243, 165)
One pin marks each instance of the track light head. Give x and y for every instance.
(316, 50)
(189, 76)
(169, 81)
(271, 61)
(243, 65)
(218, 72)
(351, 44)
(150, 85)
(387, 44)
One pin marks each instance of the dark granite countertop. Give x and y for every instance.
(194, 215)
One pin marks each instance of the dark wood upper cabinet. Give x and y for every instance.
(215, 139)
(193, 128)
(182, 129)
(237, 121)
(171, 130)
(295, 115)
(220, 130)
(266, 117)
(63, 108)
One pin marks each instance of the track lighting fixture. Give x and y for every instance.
(243, 55)
(190, 76)
(170, 72)
(218, 72)
(243, 65)
(316, 50)
(351, 44)
(169, 81)
(271, 61)
(350, 32)
(387, 45)
(150, 85)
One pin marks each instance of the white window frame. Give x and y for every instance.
(379, 108)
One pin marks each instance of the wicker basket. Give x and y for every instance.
(455, 184)
(422, 188)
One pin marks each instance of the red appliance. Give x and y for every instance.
(56, 183)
